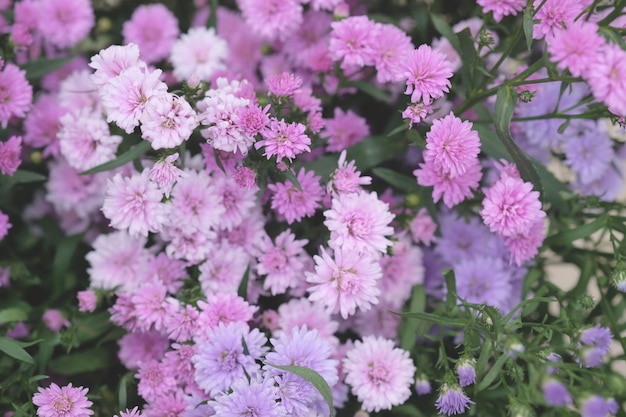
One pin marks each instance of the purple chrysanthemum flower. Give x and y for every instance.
(484, 279)
(595, 344)
(597, 406)
(466, 370)
(555, 393)
(452, 400)
(66, 401)
(249, 399)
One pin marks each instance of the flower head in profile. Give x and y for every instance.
(452, 400)
(66, 401)
(16, 94)
(10, 155)
(501, 8)
(379, 374)
(555, 393)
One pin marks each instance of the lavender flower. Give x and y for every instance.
(452, 400)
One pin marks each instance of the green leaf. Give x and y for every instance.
(122, 394)
(242, 291)
(374, 150)
(450, 289)
(212, 22)
(505, 105)
(446, 31)
(409, 332)
(12, 314)
(434, 318)
(14, 350)
(293, 179)
(370, 89)
(469, 57)
(408, 410)
(314, 378)
(400, 181)
(134, 152)
(40, 67)
(22, 177)
(91, 326)
(62, 260)
(567, 237)
(492, 374)
(528, 26)
(80, 362)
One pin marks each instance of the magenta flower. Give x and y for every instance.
(66, 401)
(391, 44)
(346, 179)
(294, 204)
(284, 140)
(54, 320)
(345, 283)
(379, 374)
(423, 228)
(575, 47)
(284, 84)
(344, 130)
(272, 19)
(608, 78)
(42, 124)
(427, 73)
(501, 8)
(154, 28)
(154, 380)
(359, 221)
(64, 23)
(16, 94)
(352, 41)
(87, 300)
(10, 155)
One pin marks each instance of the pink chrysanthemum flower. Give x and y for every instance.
(608, 78)
(167, 121)
(85, 139)
(54, 320)
(285, 140)
(110, 62)
(299, 312)
(64, 23)
(344, 130)
(282, 262)
(5, 225)
(16, 94)
(154, 28)
(272, 19)
(78, 90)
(87, 300)
(237, 202)
(130, 413)
(245, 178)
(553, 15)
(524, 246)
(66, 401)
(401, 271)
(181, 321)
(154, 380)
(284, 84)
(359, 221)
(222, 308)
(391, 44)
(151, 307)
(379, 374)
(253, 119)
(346, 179)
(199, 53)
(352, 42)
(134, 203)
(451, 146)
(452, 189)
(345, 283)
(10, 155)
(427, 73)
(165, 173)
(126, 96)
(423, 227)
(511, 207)
(417, 112)
(136, 348)
(575, 47)
(224, 270)
(501, 8)
(42, 124)
(293, 203)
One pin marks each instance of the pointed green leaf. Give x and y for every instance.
(399, 181)
(492, 374)
(134, 152)
(242, 291)
(434, 318)
(122, 394)
(470, 59)
(506, 99)
(418, 304)
(450, 289)
(567, 237)
(446, 31)
(40, 67)
(14, 350)
(370, 89)
(22, 177)
(12, 314)
(80, 362)
(314, 378)
(212, 22)
(293, 179)
(528, 26)
(374, 150)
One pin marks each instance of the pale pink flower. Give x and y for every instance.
(78, 90)
(402, 270)
(292, 203)
(222, 308)
(134, 204)
(126, 96)
(608, 78)
(359, 221)
(87, 301)
(5, 225)
(199, 53)
(417, 112)
(345, 283)
(391, 44)
(427, 73)
(165, 173)
(167, 121)
(151, 307)
(524, 246)
(10, 155)
(352, 42)
(283, 85)
(154, 380)
(223, 271)
(282, 262)
(16, 94)
(66, 401)
(136, 348)
(346, 179)
(272, 19)
(237, 202)
(299, 312)
(379, 373)
(555, 14)
(110, 62)
(245, 178)
(54, 320)
(85, 139)
(154, 28)
(501, 8)
(575, 47)
(118, 260)
(64, 23)
(451, 146)
(42, 124)
(284, 140)
(423, 227)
